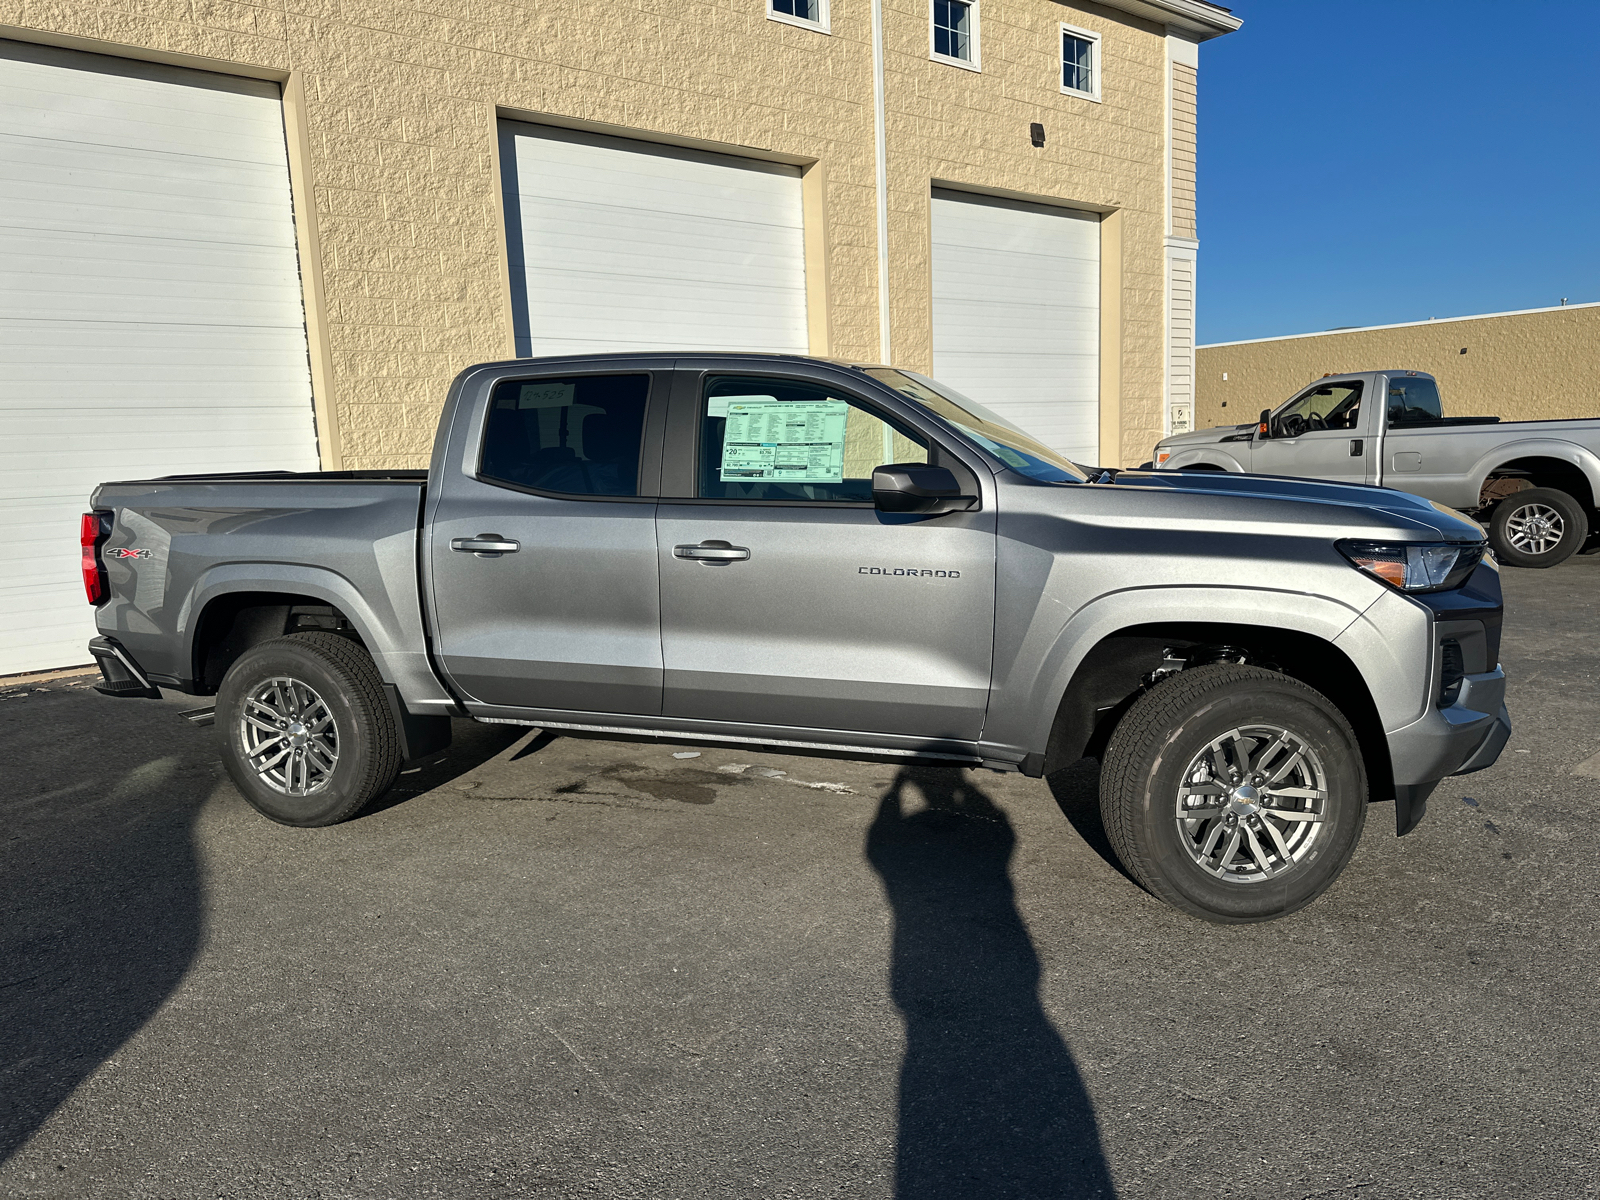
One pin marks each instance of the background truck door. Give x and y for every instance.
(1323, 433)
(786, 598)
(542, 545)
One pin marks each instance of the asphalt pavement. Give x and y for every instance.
(553, 967)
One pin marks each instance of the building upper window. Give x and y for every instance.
(808, 14)
(955, 32)
(1080, 63)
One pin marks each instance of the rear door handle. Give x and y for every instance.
(713, 554)
(485, 545)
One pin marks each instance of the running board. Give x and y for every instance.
(679, 735)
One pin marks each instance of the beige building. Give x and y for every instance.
(249, 235)
(1537, 364)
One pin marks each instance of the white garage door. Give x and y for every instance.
(1016, 315)
(623, 245)
(150, 307)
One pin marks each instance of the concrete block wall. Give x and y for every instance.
(1527, 366)
(393, 122)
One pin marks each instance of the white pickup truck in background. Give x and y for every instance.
(1535, 484)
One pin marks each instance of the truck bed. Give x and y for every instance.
(188, 550)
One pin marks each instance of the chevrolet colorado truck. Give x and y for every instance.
(1534, 484)
(813, 556)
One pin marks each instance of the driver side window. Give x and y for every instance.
(1330, 407)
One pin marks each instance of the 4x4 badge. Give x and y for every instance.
(122, 552)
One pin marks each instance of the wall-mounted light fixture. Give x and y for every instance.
(1036, 136)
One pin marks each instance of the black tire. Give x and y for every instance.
(365, 749)
(1157, 745)
(1525, 516)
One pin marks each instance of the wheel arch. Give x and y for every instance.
(1109, 677)
(1204, 458)
(233, 621)
(227, 588)
(1563, 466)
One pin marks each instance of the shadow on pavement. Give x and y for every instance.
(991, 1103)
(1076, 789)
(101, 887)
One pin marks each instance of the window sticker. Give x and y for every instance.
(546, 395)
(784, 441)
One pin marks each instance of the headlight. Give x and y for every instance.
(1435, 567)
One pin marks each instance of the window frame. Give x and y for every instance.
(823, 23)
(650, 433)
(1095, 59)
(974, 39)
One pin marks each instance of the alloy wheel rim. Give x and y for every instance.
(289, 737)
(1535, 528)
(1252, 804)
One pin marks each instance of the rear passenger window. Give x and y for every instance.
(1413, 401)
(772, 439)
(581, 436)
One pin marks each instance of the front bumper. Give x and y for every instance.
(1464, 737)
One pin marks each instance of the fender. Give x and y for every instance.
(398, 652)
(1556, 448)
(1024, 706)
(1207, 455)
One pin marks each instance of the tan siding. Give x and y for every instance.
(1531, 366)
(1185, 139)
(399, 111)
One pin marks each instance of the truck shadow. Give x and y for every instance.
(1076, 789)
(101, 885)
(991, 1103)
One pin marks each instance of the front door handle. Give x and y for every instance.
(485, 545)
(712, 553)
(1357, 447)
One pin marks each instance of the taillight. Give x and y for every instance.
(94, 577)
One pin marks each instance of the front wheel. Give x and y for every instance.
(308, 736)
(1234, 793)
(1537, 527)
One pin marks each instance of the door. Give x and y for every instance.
(787, 599)
(617, 244)
(151, 320)
(1320, 434)
(543, 548)
(1016, 314)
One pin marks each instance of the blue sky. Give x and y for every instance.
(1370, 161)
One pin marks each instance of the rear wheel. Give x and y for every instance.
(1537, 527)
(1234, 793)
(308, 736)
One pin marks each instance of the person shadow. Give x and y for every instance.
(991, 1103)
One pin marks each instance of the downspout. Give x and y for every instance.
(882, 150)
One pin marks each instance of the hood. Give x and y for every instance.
(1373, 506)
(1208, 437)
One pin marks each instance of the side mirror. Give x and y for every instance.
(1264, 427)
(917, 488)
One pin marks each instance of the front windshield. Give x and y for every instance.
(990, 430)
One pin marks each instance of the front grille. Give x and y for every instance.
(1450, 675)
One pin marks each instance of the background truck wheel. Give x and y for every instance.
(307, 733)
(1537, 527)
(1233, 793)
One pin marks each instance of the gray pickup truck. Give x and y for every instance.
(817, 557)
(1534, 484)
